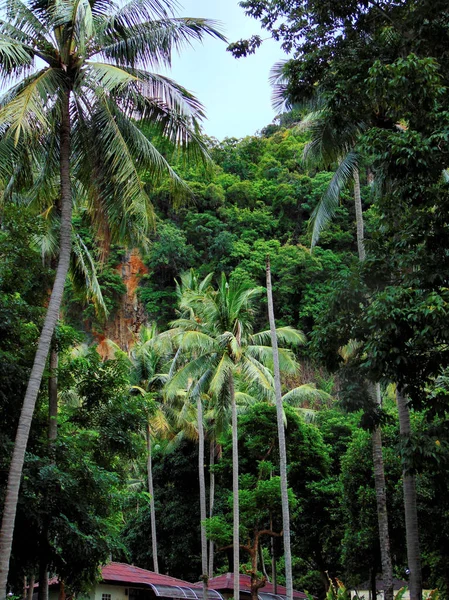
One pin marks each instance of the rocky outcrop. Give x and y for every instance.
(122, 329)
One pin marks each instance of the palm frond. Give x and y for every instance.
(264, 354)
(285, 335)
(328, 204)
(306, 393)
(256, 373)
(196, 341)
(135, 12)
(24, 107)
(13, 56)
(278, 80)
(184, 378)
(152, 43)
(83, 264)
(222, 373)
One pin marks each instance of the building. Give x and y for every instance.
(225, 585)
(120, 581)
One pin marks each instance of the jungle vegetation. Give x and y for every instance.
(134, 280)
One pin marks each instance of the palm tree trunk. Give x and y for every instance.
(274, 576)
(235, 491)
(52, 435)
(53, 397)
(282, 446)
(26, 416)
(359, 215)
(381, 499)
(204, 575)
(30, 593)
(410, 507)
(211, 502)
(43, 580)
(152, 507)
(376, 439)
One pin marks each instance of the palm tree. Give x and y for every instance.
(218, 344)
(149, 356)
(410, 505)
(331, 144)
(76, 116)
(281, 439)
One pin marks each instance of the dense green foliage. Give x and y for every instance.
(377, 73)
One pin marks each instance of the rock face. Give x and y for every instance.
(123, 328)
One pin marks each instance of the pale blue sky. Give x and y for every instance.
(235, 92)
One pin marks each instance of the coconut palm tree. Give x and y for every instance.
(410, 504)
(332, 144)
(78, 83)
(219, 346)
(150, 356)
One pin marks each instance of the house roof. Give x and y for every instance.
(162, 585)
(121, 572)
(225, 582)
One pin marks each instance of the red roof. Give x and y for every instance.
(130, 574)
(226, 582)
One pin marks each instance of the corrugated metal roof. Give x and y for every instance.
(225, 582)
(130, 574)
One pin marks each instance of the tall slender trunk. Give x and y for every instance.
(30, 593)
(235, 492)
(274, 576)
(282, 446)
(376, 439)
(204, 575)
(53, 397)
(373, 586)
(211, 502)
(52, 436)
(359, 216)
(43, 579)
(262, 562)
(410, 506)
(26, 416)
(152, 507)
(381, 499)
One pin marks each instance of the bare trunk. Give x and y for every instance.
(282, 446)
(373, 586)
(376, 440)
(359, 216)
(203, 515)
(262, 563)
(410, 507)
(26, 416)
(152, 507)
(31, 588)
(43, 581)
(53, 397)
(211, 502)
(61, 595)
(274, 577)
(381, 499)
(235, 491)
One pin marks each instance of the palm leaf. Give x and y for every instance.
(24, 108)
(196, 341)
(183, 379)
(84, 265)
(285, 335)
(328, 204)
(222, 373)
(152, 43)
(254, 372)
(305, 393)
